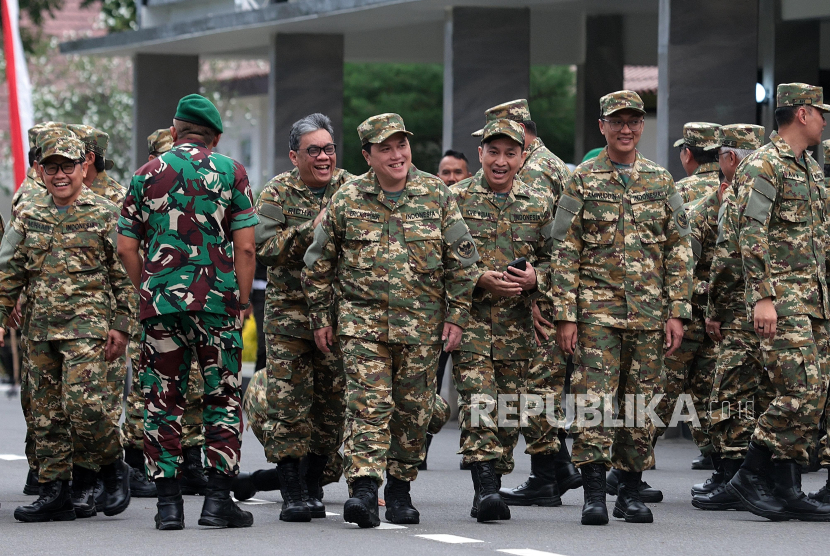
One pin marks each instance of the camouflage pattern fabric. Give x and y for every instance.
(108, 188)
(95, 141)
(621, 100)
(516, 110)
(168, 202)
(544, 170)
(741, 136)
(29, 188)
(170, 344)
(160, 141)
(546, 378)
(379, 128)
(703, 135)
(797, 94)
(702, 183)
(26, 406)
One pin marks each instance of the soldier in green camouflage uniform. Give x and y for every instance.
(783, 239)
(621, 267)
(508, 220)
(741, 387)
(394, 247)
(61, 249)
(305, 385)
(698, 154)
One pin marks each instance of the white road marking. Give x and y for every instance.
(11, 457)
(383, 525)
(254, 501)
(331, 514)
(526, 552)
(451, 539)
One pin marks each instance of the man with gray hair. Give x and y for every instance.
(305, 388)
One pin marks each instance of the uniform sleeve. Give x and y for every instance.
(756, 196)
(699, 229)
(277, 243)
(241, 209)
(131, 223)
(13, 276)
(566, 251)
(543, 252)
(725, 272)
(320, 269)
(122, 288)
(460, 270)
(679, 261)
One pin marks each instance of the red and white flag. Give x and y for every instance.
(21, 112)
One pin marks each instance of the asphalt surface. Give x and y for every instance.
(442, 494)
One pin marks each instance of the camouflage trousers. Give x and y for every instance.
(26, 406)
(133, 426)
(306, 404)
(741, 390)
(690, 370)
(71, 398)
(546, 379)
(797, 363)
(389, 394)
(169, 346)
(611, 364)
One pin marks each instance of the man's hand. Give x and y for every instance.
(674, 335)
(246, 314)
(319, 217)
(566, 336)
(542, 326)
(493, 283)
(324, 338)
(2, 337)
(14, 318)
(525, 278)
(766, 318)
(713, 329)
(451, 336)
(116, 345)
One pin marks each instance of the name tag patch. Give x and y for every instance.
(37, 226)
(301, 212)
(603, 196)
(364, 215)
(648, 196)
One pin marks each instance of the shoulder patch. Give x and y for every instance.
(760, 201)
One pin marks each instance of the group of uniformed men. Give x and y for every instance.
(713, 287)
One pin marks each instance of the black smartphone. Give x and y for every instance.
(520, 263)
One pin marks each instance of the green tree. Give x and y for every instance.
(117, 15)
(37, 11)
(553, 107)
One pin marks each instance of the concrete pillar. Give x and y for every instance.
(486, 62)
(600, 74)
(306, 77)
(707, 58)
(159, 81)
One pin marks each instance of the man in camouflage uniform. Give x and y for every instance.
(699, 157)
(305, 385)
(739, 373)
(61, 250)
(394, 246)
(507, 220)
(191, 210)
(783, 238)
(192, 479)
(621, 267)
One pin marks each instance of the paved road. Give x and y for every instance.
(442, 494)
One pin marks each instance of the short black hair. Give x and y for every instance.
(456, 154)
(32, 155)
(530, 127)
(701, 156)
(100, 163)
(827, 169)
(367, 147)
(784, 115)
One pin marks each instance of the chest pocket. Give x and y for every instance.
(525, 235)
(83, 252)
(423, 240)
(37, 245)
(361, 242)
(480, 228)
(651, 219)
(794, 205)
(599, 221)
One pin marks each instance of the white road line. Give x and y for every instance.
(383, 525)
(451, 539)
(526, 552)
(254, 501)
(331, 514)
(11, 457)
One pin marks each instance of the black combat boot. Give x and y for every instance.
(721, 499)
(193, 479)
(567, 477)
(423, 465)
(752, 485)
(629, 504)
(170, 505)
(787, 474)
(489, 504)
(83, 491)
(703, 463)
(315, 467)
(294, 507)
(713, 481)
(823, 494)
(540, 489)
(218, 510)
(594, 511)
(648, 494)
(399, 508)
(362, 507)
(246, 485)
(140, 485)
(116, 477)
(53, 504)
(31, 487)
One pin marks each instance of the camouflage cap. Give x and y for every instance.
(160, 141)
(378, 129)
(37, 128)
(505, 127)
(798, 94)
(59, 142)
(516, 110)
(700, 134)
(826, 147)
(95, 141)
(740, 136)
(621, 100)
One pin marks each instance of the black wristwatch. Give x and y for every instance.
(245, 306)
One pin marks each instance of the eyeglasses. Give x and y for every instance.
(51, 168)
(618, 125)
(314, 151)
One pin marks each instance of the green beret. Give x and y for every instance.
(198, 110)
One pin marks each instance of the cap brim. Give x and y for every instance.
(679, 142)
(478, 133)
(384, 135)
(823, 107)
(712, 147)
(638, 110)
(109, 164)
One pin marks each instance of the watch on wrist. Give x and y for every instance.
(244, 306)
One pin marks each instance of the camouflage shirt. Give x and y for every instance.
(108, 188)
(67, 262)
(544, 169)
(287, 209)
(502, 328)
(704, 180)
(398, 270)
(621, 254)
(183, 206)
(703, 217)
(782, 230)
(29, 188)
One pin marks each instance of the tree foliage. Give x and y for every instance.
(116, 15)
(36, 11)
